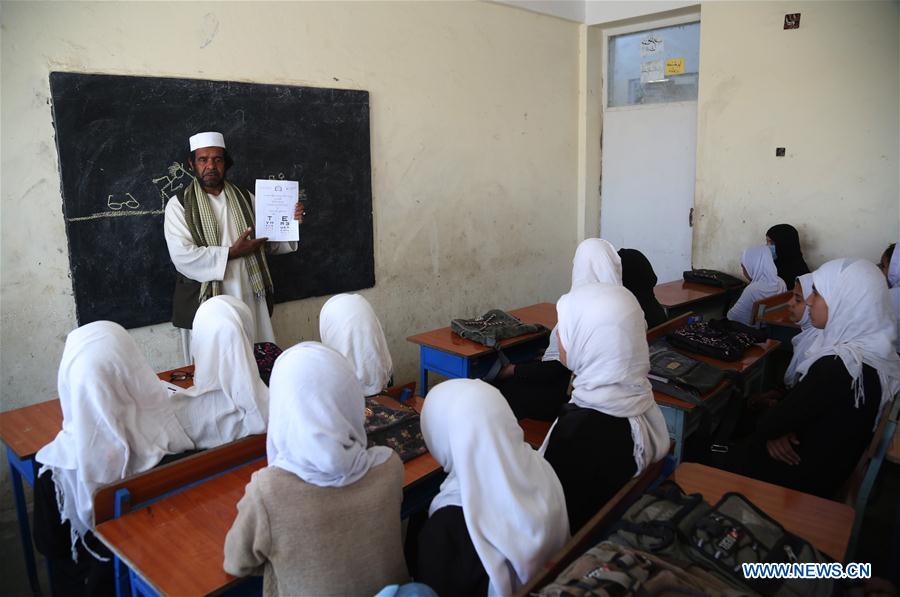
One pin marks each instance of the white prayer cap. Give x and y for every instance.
(209, 139)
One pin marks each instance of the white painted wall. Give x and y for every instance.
(474, 152)
(830, 93)
(572, 10)
(607, 11)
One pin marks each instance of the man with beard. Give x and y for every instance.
(209, 232)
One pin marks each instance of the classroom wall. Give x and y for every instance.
(829, 93)
(474, 152)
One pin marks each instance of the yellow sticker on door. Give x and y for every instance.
(675, 66)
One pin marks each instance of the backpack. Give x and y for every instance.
(493, 326)
(265, 354)
(683, 528)
(396, 428)
(611, 569)
(679, 375)
(719, 338)
(711, 277)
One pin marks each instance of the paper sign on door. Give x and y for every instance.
(675, 66)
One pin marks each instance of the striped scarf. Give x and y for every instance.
(205, 229)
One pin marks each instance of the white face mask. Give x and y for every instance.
(772, 250)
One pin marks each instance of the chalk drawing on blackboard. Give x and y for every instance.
(173, 181)
(132, 203)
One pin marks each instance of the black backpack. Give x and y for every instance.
(679, 375)
(711, 277)
(718, 338)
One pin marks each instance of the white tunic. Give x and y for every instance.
(206, 264)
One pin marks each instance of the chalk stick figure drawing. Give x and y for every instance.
(173, 181)
(131, 203)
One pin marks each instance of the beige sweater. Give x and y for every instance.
(311, 540)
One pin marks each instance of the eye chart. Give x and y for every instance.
(275, 201)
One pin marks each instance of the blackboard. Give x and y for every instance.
(123, 149)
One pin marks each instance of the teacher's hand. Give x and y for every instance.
(299, 211)
(244, 246)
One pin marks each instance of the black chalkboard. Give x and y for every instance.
(123, 148)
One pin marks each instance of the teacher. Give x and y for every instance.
(209, 232)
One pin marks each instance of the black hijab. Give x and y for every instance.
(789, 256)
(639, 278)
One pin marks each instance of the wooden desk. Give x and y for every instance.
(679, 294)
(824, 523)
(779, 317)
(453, 356)
(193, 524)
(535, 431)
(25, 431)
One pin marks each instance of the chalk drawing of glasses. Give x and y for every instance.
(132, 203)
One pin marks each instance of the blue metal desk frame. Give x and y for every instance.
(23, 469)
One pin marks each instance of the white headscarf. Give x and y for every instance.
(596, 260)
(893, 278)
(764, 282)
(808, 334)
(228, 400)
(860, 329)
(348, 324)
(604, 333)
(893, 273)
(117, 420)
(318, 412)
(511, 498)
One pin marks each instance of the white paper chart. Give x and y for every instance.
(275, 201)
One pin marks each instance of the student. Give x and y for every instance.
(813, 438)
(117, 421)
(228, 400)
(348, 324)
(501, 513)
(324, 517)
(538, 389)
(638, 277)
(890, 265)
(783, 241)
(802, 342)
(759, 268)
(612, 428)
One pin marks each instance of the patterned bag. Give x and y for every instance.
(721, 339)
(683, 528)
(396, 428)
(493, 326)
(613, 570)
(265, 353)
(711, 277)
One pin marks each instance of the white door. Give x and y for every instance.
(650, 142)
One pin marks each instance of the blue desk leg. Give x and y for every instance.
(423, 373)
(19, 468)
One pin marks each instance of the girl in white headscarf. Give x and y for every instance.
(612, 429)
(890, 264)
(228, 400)
(537, 390)
(803, 288)
(324, 517)
(348, 324)
(501, 512)
(117, 421)
(759, 268)
(814, 437)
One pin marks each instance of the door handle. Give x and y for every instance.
(691, 218)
